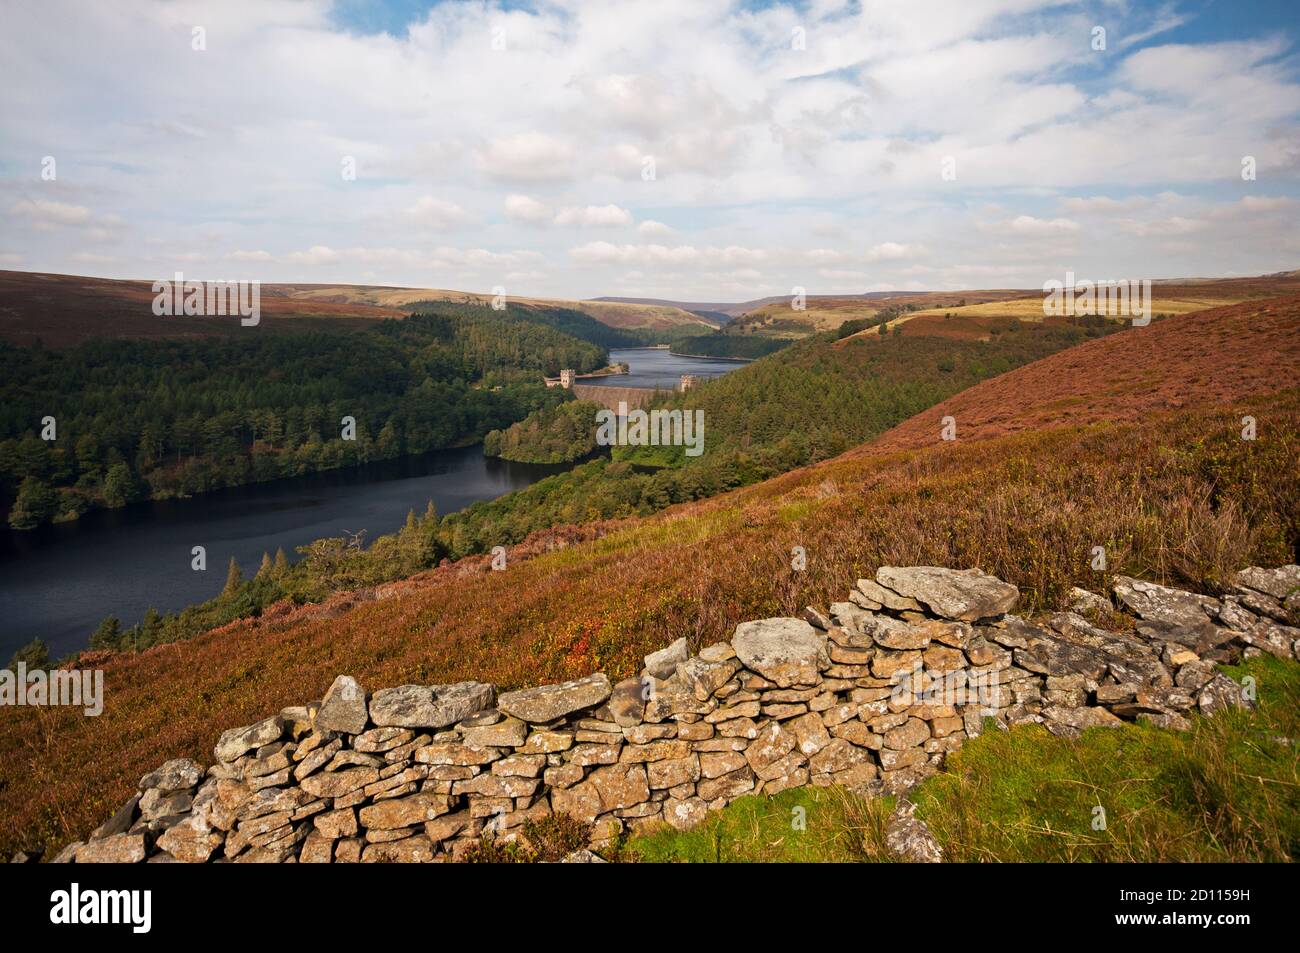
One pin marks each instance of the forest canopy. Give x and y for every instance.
(164, 418)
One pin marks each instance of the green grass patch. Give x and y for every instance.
(1228, 790)
(801, 825)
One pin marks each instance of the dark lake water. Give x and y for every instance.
(59, 582)
(655, 367)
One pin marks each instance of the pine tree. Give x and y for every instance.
(281, 561)
(107, 635)
(267, 567)
(234, 578)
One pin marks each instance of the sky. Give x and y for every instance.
(685, 149)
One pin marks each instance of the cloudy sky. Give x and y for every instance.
(692, 150)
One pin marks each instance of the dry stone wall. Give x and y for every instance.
(870, 694)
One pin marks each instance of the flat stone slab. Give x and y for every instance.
(1171, 607)
(549, 702)
(965, 595)
(236, 741)
(1278, 583)
(429, 706)
(786, 651)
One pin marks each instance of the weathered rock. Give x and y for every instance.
(549, 702)
(909, 734)
(663, 664)
(155, 805)
(627, 702)
(237, 741)
(120, 822)
(405, 812)
(786, 651)
(338, 784)
(379, 740)
(909, 839)
(685, 813)
(117, 849)
(429, 706)
(1220, 694)
(336, 824)
(1274, 639)
(506, 733)
(773, 743)
(192, 841)
(1156, 603)
(417, 849)
(893, 634)
(1048, 655)
(180, 774)
(1278, 583)
(1081, 717)
(343, 708)
(1084, 602)
(673, 771)
(880, 597)
(839, 755)
(966, 595)
(606, 789)
(661, 750)
(702, 678)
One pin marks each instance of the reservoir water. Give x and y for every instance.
(656, 367)
(58, 582)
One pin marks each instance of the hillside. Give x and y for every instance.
(776, 318)
(973, 317)
(1171, 491)
(63, 310)
(649, 316)
(1211, 357)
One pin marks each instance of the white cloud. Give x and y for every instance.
(529, 157)
(592, 216)
(522, 208)
(436, 213)
(316, 255)
(893, 251)
(652, 229)
(45, 214)
(1029, 225)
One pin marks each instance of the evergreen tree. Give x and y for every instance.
(35, 654)
(36, 504)
(119, 485)
(234, 578)
(108, 635)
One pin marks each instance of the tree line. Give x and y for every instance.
(159, 419)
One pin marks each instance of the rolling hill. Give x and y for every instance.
(62, 310)
(1131, 441)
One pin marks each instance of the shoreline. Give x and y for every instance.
(711, 357)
